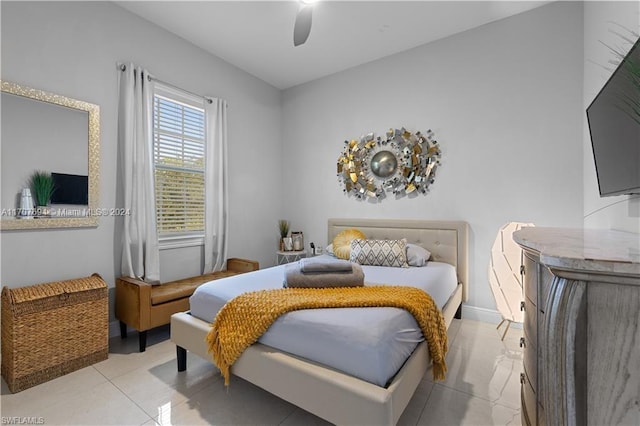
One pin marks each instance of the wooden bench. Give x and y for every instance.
(143, 306)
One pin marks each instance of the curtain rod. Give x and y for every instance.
(123, 67)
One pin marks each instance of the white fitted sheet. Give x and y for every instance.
(369, 343)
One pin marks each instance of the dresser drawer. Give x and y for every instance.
(530, 360)
(540, 323)
(524, 414)
(529, 402)
(531, 278)
(540, 365)
(530, 319)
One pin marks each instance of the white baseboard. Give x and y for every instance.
(475, 313)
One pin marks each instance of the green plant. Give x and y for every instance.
(43, 187)
(283, 227)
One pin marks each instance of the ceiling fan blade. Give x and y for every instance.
(302, 27)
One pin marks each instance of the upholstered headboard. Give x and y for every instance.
(446, 240)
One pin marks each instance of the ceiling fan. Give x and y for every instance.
(302, 26)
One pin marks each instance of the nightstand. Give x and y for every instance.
(283, 257)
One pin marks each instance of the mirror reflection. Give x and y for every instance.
(49, 170)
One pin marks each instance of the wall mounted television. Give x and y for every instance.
(614, 125)
(70, 189)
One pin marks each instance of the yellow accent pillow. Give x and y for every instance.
(342, 242)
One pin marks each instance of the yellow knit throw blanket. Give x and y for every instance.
(242, 321)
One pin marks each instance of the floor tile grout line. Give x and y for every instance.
(215, 380)
(130, 399)
(475, 396)
(76, 392)
(158, 360)
(426, 401)
(289, 415)
(100, 373)
(493, 402)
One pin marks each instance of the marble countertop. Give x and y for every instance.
(589, 250)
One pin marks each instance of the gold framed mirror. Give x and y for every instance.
(46, 132)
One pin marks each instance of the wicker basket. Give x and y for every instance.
(52, 329)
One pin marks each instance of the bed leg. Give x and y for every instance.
(181, 355)
(123, 330)
(458, 314)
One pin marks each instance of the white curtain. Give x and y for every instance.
(216, 197)
(140, 252)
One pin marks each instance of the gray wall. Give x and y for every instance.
(505, 103)
(601, 19)
(72, 49)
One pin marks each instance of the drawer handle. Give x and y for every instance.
(522, 379)
(523, 344)
(522, 270)
(522, 306)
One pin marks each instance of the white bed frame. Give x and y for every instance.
(325, 392)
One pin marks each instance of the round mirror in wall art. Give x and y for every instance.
(384, 164)
(403, 163)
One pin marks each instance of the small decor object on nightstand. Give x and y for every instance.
(283, 227)
(298, 240)
(43, 188)
(315, 250)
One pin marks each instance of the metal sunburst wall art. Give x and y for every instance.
(404, 163)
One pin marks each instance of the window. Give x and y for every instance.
(179, 160)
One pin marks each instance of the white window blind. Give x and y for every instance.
(178, 148)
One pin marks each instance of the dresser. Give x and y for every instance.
(581, 340)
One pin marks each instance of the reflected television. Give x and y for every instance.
(614, 127)
(70, 189)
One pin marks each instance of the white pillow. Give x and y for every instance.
(329, 250)
(416, 255)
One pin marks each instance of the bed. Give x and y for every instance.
(332, 394)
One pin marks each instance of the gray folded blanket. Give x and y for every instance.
(314, 264)
(293, 277)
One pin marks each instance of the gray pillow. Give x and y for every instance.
(416, 255)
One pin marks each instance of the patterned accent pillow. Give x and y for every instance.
(379, 252)
(342, 242)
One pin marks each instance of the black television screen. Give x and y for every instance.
(614, 125)
(70, 189)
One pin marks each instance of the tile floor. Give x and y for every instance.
(131, 388)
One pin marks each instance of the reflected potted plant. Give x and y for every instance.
(42, 187)
(283, 227)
